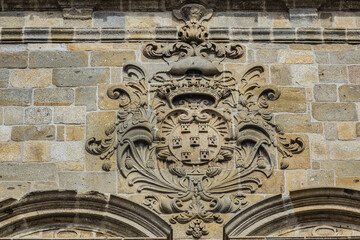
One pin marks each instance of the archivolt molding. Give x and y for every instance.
(321, 211)
(57, 211)
(194, 147)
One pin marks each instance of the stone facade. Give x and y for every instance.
(91, 99)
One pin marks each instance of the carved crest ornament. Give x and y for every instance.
(192, 136)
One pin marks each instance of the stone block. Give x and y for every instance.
(334, 111)
(304, 75)
(344, 20)
(140, 20)
(38, 115)
(348, 182)
(344, 57)
(71, 166)
(344, 150)
(330, 131)
(15, 97)
(44, 19)
(44, 186)
(14, 19)
(69, 115)
(325, 93)
(13, 115)
(67, 151)
(296, 57)
(320, 178)
(75, 133)
(14, 189)
(111, 58)
(346, 130)
(267, 55)
(28, 171)
(344, 168)
(303, 17)
(334, 47)
(349, 93)
(60, 133)
(58, 59)
(97, 123)
(10, 151)
(281, 20)
(272, 185)
(36, 151)
(53, 97)
(89, 46)
(318, 148)
(13, 59)
(104, 182)
(24, 133)
(292, 100)
(86, 96)
(30, 78)
(322, 57)
(354, 73)
(4, 78)
(80, 77)
(5, 133)
(298, 123)
(295, 180)
(332, 73)
(109, 19)
(358, 129)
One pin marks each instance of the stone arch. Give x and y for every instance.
(92, 213)
(302, 213)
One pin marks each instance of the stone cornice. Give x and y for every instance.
(275, 35)
(167, 5)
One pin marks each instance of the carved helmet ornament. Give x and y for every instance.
(196, 144)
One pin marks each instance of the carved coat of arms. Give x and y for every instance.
(194, 135)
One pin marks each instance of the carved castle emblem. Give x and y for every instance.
(192, 136)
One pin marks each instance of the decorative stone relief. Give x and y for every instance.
(204, 134)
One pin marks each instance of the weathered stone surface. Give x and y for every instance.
(267, 55)
(10, 151)
(30, 78)
(5, 133)
(322, 57)
(295, 180)
(292, 99)
(38, 115)
(58, 59)
(13, 59)
(14, 189)
(304, 75)
(109, 19)
(320, 178)
(334, 47)
(296, 57)
(4, 78)
(344, 57)
(15, 97)
(332, 73)
(67, 151)
(71, 166)
(86, 96)
(281, 75)
(75, 133)
(348, 182)
(344, 150)
(334, 111)
(89, 46)
(358, 129)
(325, 93)
(298, 123)
(111, 58)
(44, 186)
(318, 147)
(69, 115)
(354, 73)
(80, 77)
(88, 181)
(28, 171)
(349, 93)
(44, 19)
(346, 130)
(60, 133)
(13, 115)
(12, 19)
(97, 122)
(36, 151)
(344, 168)
(330, 131)
(53, 97)
(24, 133)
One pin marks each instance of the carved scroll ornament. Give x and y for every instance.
(204, 135)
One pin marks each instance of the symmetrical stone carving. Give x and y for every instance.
(204, 135)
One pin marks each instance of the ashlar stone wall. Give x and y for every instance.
(55, 73)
